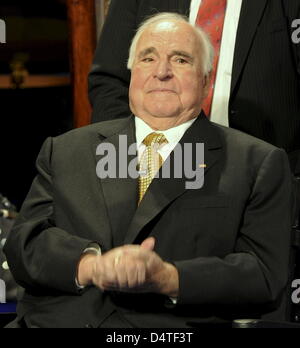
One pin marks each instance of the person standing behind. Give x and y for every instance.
(257, 82)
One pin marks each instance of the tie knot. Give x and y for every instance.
(155, 138)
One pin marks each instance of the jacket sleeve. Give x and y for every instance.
(39, 254)
(109, 77)
(256, 273)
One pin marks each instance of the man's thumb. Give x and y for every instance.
(148, 243)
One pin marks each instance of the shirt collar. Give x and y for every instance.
(173, 135)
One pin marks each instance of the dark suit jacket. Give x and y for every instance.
(265, 90)
(229, 239)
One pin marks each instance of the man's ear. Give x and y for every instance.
(206, 84)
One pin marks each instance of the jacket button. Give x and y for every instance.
(233, 112)
(89, 326)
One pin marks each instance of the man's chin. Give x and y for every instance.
(163, 113)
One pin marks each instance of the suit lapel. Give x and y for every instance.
(251, 13)
(162, 192)
(120, 193)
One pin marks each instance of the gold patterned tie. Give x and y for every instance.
(151, 161)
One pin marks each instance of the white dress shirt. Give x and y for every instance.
(220, 104)
(173, 135)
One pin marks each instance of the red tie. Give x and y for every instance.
(210, 18)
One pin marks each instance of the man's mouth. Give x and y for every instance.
(161, 90)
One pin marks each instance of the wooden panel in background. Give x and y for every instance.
(36, 81)
(82, 24)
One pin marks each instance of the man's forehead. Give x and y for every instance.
(165, 26)
(177, 35)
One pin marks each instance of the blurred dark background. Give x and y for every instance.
(35, 89)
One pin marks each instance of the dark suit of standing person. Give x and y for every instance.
(264, 87)
(93, 250)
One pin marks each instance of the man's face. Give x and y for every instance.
(167, 82)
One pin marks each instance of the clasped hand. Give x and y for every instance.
(130, 268)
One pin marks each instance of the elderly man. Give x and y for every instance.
(148, 251)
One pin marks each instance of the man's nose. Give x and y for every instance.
(163, 70)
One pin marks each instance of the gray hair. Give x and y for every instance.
(207, 48)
